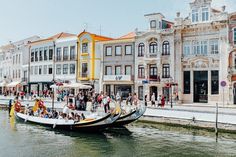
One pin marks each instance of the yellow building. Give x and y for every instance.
(89, 61)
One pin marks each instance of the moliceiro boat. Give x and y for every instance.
(91, 123)
(129, 117)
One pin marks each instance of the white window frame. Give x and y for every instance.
(234, 37)
(214, 46)
(187, 48)
(205, 14)
(195, 15)
(204, 47)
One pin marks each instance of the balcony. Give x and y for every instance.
(151, 55)
(24, 79)
(154, 78)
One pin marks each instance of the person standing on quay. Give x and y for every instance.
(153, 99)
(145, 100)
(162, 101)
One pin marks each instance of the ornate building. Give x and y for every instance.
(154, 57)
(201, 48)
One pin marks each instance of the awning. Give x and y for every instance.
(3, 84)
(13, 84)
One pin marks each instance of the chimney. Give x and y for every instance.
(178, 14)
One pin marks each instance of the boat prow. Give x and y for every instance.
(130, 117)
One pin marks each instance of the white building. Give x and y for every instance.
(201, 48)
(66, 59)
(154, 57)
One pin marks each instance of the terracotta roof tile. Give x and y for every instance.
(126, 36)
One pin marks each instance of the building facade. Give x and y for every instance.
(232, 58)
(201, 48)
(154, 57)
(65, 59)
(117, 74)
(89, 60)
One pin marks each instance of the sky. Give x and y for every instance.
(20, 19)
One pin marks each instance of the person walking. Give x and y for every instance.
(153, 99)
(135, 99)
(158, 100)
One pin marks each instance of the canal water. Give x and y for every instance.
(138, 140)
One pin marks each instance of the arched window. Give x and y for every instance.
(153, 47)
(234, 36)
(141, 49)
(166, 48)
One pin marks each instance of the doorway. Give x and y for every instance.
(153, 89)
(200, 94)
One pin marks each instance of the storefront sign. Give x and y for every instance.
(117, 78)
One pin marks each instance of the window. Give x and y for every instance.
(58, 56)
(84, 69)
(118, 70)
(204, 47)
(49, 68)
(108, 51)
(128, 49)
(187, 48)
(234, 61)
(19, 73)
(65, 53)
(36, 70)
(141, 72)
(13, 59)
(45, 69)
(65, 68)
(166, 71)
(108, 70)
(58, 69)
(40, 54)
(72, 68)
(215, 82)
(45, 56)
(128, 69)
(72, 53)
(153, 47)
(31, 70)
(19, 58)
(166, 48)
(84, 47)
(50, 53)
(40, 69)
(153, 24)
(195, 15)
(141, 49)
(36, 55)
(196, 48)
(234, 36)
(16, 58)
(140, 92)
(186, 82)
(118, 50)
(153, 72)
(205, 14)
(214, 47)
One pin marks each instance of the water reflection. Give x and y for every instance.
(139, 139)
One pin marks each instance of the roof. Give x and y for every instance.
(54, 37)
(96, 37)
(127, 36)
(152, 14)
